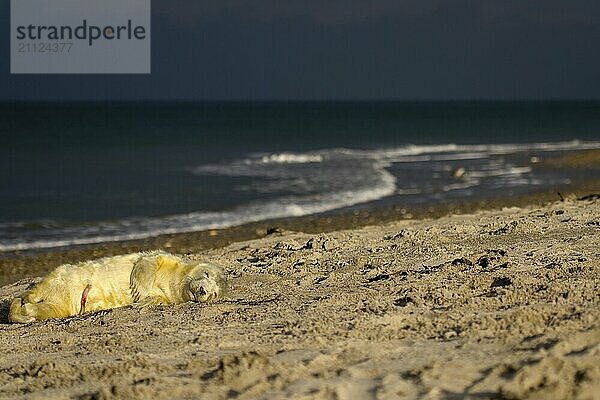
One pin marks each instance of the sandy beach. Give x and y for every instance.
(491, 304)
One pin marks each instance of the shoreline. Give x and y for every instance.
(16, 265)
(19, 264)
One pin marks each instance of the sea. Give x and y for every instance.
(74, 173)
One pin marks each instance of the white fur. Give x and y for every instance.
(138, 278)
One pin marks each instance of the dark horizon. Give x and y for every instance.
(300, 101)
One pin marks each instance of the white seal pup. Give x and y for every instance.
(110, 282)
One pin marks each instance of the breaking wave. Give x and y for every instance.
(289, 184)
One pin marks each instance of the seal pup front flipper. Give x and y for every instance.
(149, 301)
(150, 277)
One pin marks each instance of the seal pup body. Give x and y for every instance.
(110, 282)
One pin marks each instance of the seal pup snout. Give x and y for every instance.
(204, 289)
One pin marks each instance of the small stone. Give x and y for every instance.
(450, 335)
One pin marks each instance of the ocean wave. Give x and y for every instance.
(468, 150)
(372, 185)
(289, 184)
(263, 163)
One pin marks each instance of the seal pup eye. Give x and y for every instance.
(206, 275)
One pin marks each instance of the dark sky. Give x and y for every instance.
(348, 49)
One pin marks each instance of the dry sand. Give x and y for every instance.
(496, 304)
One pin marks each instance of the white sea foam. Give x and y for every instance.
(500, 172)
(291, 158)
(486, 149)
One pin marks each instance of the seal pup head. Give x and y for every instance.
(204, 282)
